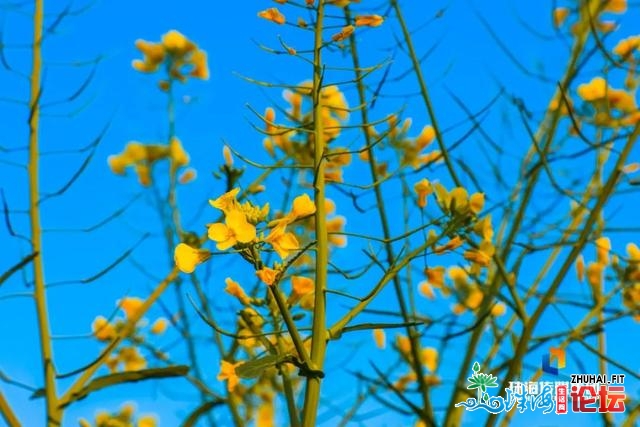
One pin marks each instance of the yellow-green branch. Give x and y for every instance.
(53, 414)
(319, 332)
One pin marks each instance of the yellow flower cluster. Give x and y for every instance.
(124, 418)
(457, 202)
(282, 241)
(299, 145)
(410, 149)
(142, 157)
(239, 230)
(627, 47)
(613, 107)
(103, 330)
(181, 57)
(239, 227)
(587, 17)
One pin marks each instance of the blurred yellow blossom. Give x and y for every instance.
(343, 34)
(234, 289)
(429, 358)
(228, 372)
(369, 20)
(267, 275)
(159, 326)
(131, 306)
(102, 329)
(423, 188)
(380, 338)
(272, 14)
(188, 258)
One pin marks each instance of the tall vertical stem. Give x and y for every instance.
(319, 342)
(53, 414)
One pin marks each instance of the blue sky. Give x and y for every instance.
(466, 62)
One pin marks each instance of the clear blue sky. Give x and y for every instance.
(466, 62)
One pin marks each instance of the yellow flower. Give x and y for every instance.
(177, 153)
(474, 299)
(147, 421)
(273, 15)
(633, 253)
(228, 372)
(131, 358)
(176, 43)
(228, 157)
(187, 258)
(404, 381)
(498, 309)
(603, 246)
(476, 202)
(334, 102)
(265, 414)
(594, 274)
(131, 306)
(283, 242)
(188, 176)
(625, 47)
(227, 201)
(200, 67)
(403, 343)
(159, 326)
(235, 230)
(427, 291)
(380, 338)
(615, 6)
(302, 285)
(102, 329)
(429, 358)
(335, 225)
(308, 301)
(369, 20)
(596, 89)
(423, 188)
(451, 245)
(580, 267)
(483, 228)
(144, 174)
(425, 138)
(560, 15)
(267, 275)
(118, 163)
(302, 206)
(234, 289)
(459, 276)
(435, 276)
(343, 34)
(459, 200)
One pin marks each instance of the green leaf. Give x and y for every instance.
(128, 377)
(253, 368)
(476, 367)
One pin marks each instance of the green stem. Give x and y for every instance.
(71, 393)
(7, 413)
(425, 93)
(548, 127)
(319, 333)
(53, 413)
(604, 196)
(412, 333)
